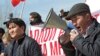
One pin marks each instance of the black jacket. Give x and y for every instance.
(89, 46)
(1, 46)
(26, 47)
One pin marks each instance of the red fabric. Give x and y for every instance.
(15, 2)
(23, 0)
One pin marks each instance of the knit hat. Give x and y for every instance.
(78, 8)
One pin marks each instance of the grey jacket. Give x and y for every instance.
(89, 46)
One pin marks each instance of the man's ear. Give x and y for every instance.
(23, 27)
(88, 16)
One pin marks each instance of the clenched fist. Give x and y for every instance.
(73, 34)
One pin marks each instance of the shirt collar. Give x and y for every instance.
(19, 41)
(89, 30)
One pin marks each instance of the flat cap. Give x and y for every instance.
(78, 8)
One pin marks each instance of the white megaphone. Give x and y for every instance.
(54, 21)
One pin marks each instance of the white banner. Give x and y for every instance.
(48, 39)
(94, 7)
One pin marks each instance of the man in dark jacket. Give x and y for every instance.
(22, 45)
(2, 31)
(85, 39)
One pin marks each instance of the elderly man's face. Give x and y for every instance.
(80, 22)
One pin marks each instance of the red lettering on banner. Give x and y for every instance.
(61, 32)
(31, 35)
(47, 38)
(47, 34)
(36, 34)
(53, 33)
(59, 49)
(55, 48)
(50, 33)
(44, 35)
(41, 35)
(44, 49)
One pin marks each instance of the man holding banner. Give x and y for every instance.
(47, 34)
(35, 19)
(85, 39)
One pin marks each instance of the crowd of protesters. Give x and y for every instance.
(79, 39)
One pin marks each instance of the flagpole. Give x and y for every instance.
(21, 14)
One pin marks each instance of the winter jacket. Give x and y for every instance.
(89, 46)
(26, 47)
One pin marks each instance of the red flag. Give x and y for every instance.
(15, 2)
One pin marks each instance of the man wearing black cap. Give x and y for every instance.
(22, 45)
(86, 37)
